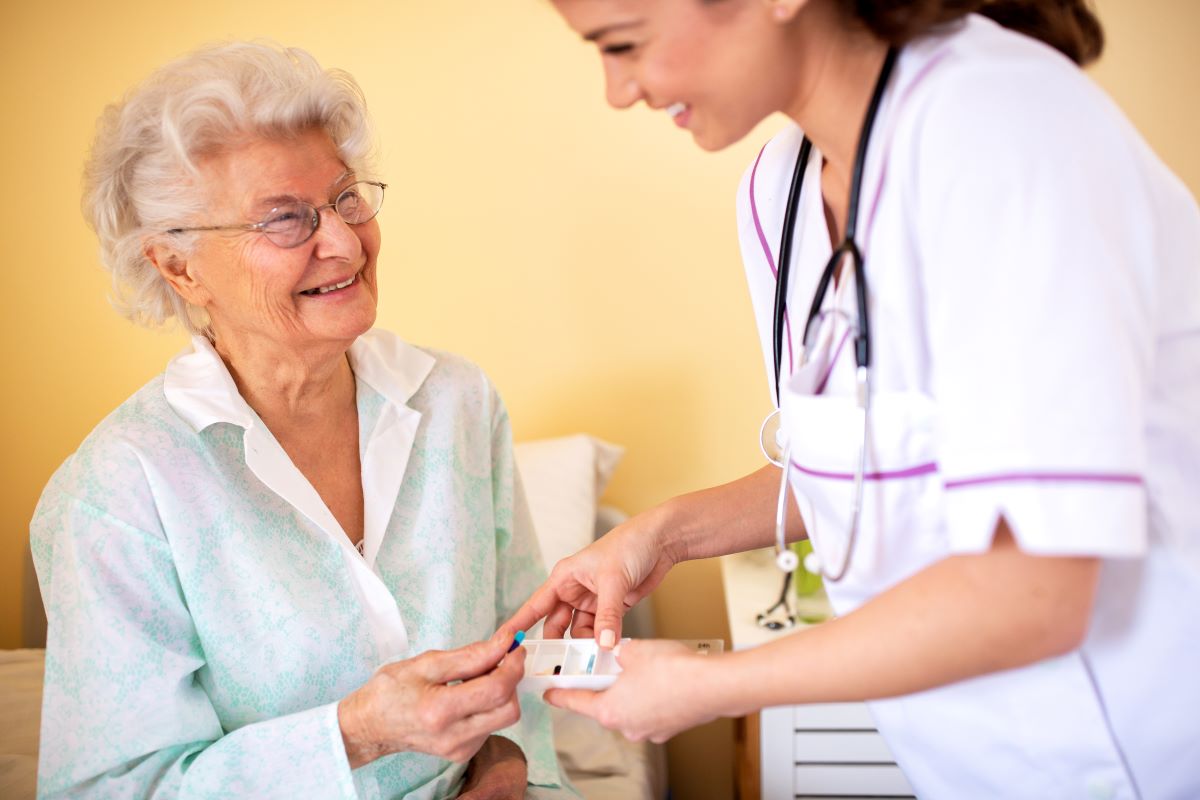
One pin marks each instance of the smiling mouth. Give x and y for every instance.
(333, 287)
(680, 113)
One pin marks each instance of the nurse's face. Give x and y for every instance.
(252, 288)
(718, 67)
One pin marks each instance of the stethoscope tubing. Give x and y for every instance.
(785, 260)
(862, 340)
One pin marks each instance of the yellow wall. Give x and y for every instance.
(586, 259)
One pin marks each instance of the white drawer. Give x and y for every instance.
(856, 747)
(833, 716)
(860, 779)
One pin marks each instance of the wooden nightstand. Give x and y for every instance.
(812, 751)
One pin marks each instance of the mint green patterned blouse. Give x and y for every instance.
(206, 612)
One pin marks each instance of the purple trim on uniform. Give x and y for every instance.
(1045, 477)
(910, 472)
(908, 90)
(762, 240)
(832, 363)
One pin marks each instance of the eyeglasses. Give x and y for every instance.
(293, 224)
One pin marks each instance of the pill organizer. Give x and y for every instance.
(580, 663)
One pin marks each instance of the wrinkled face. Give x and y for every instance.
(717, 68)
(254, 289)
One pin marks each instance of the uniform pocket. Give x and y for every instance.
(900, 529)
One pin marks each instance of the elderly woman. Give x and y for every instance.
(257, 568)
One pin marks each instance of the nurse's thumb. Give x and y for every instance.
(610, 607)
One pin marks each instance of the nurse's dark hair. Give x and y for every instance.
(1069, 26)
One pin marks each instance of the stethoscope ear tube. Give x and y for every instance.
(862, 341)
(785, 258)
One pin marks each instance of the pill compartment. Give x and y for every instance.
(580, 663)
(606, 663)
(586, 658)
(567, 663)
(544, 658)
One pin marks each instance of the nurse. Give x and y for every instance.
(1020, 589)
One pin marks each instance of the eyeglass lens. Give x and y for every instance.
(293, 224)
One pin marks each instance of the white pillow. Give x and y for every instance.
(563, 480)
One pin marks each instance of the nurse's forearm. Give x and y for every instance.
(965, 616)
(730, 518)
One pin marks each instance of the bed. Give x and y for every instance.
(563, 479)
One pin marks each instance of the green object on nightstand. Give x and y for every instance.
(805, 583)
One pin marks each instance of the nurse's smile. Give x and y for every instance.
(681, 113)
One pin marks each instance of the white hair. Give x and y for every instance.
(139, 178)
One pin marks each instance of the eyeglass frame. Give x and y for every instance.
(260, 227)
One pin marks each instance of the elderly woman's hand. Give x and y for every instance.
(416, 704)
(497, 772)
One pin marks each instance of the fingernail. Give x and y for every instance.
(607, 639)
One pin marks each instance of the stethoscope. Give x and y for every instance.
(785, 559)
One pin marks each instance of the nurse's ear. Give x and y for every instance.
(177, 269)
(784, 11)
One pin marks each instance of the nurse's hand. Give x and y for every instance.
(663, 688)
(590, 592)
(418, 705)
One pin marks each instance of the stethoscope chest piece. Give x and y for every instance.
(779, 617)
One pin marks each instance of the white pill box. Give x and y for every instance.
(581, 664)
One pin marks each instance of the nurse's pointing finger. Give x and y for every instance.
(541, 603)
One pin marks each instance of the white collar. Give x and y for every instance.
(198, 386)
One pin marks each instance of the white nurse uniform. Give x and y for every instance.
(1034, 278)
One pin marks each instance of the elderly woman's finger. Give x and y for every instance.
(464, 738)
(486, 692)
(475, 659)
